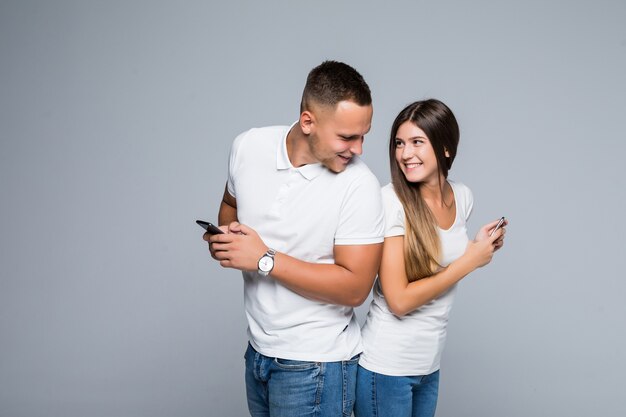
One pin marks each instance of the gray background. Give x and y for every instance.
(116, 119)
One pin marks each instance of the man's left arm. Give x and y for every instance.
(357, 251)
(346, 282)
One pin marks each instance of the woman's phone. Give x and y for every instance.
(209, 227)
(499, 225)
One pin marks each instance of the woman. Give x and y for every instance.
(426, 252)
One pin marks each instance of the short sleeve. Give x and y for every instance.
(469, 203)
(394, 212)
(464, 198)
(361, 219)
(233, 164)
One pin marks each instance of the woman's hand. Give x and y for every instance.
(487, 229)
(480, 250)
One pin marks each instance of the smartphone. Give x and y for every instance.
(209, 227)
(499, 225)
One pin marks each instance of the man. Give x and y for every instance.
(304, 223)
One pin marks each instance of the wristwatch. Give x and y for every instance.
(266, 263)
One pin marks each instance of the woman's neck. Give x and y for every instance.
(436, 192)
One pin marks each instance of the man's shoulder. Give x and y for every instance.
(268, 132)
(258, 139)
(357, 169)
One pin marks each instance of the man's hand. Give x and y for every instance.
(239, 248)
(208, 235)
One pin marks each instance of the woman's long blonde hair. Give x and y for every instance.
(422, 248)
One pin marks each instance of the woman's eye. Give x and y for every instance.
(399, 144)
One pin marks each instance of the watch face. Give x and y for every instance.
(266, 263)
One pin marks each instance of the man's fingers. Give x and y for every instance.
(219, 247)
(234, 227)
(243, 229)
(221, 255)
(222, 238)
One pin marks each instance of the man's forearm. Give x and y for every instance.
(337, 283)
(347, 281)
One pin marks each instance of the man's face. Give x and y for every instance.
(337, 134)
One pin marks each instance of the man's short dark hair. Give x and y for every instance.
(332, 82)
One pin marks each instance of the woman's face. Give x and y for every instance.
(415, 154)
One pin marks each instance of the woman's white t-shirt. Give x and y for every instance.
(412, 344)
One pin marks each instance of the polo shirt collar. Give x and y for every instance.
(309, 171)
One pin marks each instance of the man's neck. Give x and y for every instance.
(298, 149)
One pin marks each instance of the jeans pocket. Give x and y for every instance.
(296, 387)
(294, 365)
(353, 361)
(350, 368)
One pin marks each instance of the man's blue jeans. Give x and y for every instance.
(381, 395)
(285, 388)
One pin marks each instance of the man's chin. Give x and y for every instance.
(336, 167)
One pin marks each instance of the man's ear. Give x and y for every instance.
(307, 122)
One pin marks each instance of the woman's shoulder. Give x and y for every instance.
(388, 189)
(459, 186)
(463, 196)
(391, 202)
(394, 212)
(389, 195)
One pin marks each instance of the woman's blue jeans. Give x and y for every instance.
(379, 395)
(286, 388)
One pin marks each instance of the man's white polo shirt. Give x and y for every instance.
(302, 212)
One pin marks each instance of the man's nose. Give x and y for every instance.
(357, 147)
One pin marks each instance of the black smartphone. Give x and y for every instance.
(209, 227)
(499, 225)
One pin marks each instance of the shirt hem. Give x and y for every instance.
(364, 241)
(395, 372)
(307, 356)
